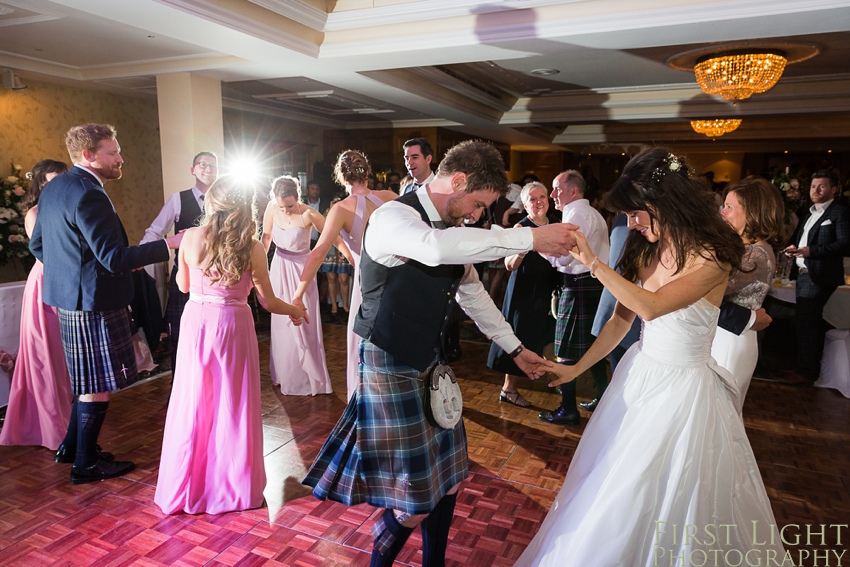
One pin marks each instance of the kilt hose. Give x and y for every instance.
(98, 349)
(577, 306)
(383, 450)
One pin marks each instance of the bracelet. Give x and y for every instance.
(592, 275)
(516, 352)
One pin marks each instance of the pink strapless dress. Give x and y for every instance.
(297, 354)
(40, 397)
(354, 241)
(212, 446)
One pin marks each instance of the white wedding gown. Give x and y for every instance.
(665, 449)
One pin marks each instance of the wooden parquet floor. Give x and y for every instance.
(801, 438)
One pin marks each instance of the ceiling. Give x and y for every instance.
(461, 64)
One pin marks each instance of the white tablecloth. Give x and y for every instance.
(837, 309)
(11, 295)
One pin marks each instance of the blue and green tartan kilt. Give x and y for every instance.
(98, 349)
(383, 450)
(174, 307)
(576, 311)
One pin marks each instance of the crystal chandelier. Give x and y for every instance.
(715, 128)
(736, 75)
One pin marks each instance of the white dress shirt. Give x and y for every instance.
(415, 185)
(396, 234)
(96, 176)
(594, 228)
(170, 214)
(817, 212)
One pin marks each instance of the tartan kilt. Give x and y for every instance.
(99, 350)
(174, 307)
(383, 450)
(576, 310)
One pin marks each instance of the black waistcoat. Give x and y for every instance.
(190, 215)
(405, 309)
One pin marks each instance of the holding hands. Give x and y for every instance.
(554, 239)
(564, 373)
(532, 364)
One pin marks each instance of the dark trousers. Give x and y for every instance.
(809, 325)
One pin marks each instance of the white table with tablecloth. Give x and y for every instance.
(11, 295)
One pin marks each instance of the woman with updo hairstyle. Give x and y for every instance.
(40, 393)
(347, 219)
(753, 208)
(212, 446)
(297, 352)
(665, 446)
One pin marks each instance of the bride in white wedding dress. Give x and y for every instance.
(664, 473)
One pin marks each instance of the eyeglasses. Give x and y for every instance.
(205, 165)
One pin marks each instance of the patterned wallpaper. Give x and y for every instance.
(33, 125)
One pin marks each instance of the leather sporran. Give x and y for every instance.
(443, 400)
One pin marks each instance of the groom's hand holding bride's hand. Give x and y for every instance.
(564, 373)
(532, 364)
(581, 251)
(554, 239)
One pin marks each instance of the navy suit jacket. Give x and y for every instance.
(828, 242)
(82, 244)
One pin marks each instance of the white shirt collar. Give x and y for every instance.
(428, 205)
(820, 207)
(427, 180)
(96, 176)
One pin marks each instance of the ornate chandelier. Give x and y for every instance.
(736, 75)
(715, 128)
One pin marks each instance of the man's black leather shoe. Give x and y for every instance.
(560, 416)
(101, 470)
(589, 406)
(66, 456)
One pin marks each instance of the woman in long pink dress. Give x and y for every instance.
(297, 353)
(40, 397)
(212, 447)
(347, 219)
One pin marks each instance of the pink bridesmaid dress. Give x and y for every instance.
(354, 241)
(40, 397)
(297, 354)
(212, 446)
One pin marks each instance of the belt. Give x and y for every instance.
(568, 278)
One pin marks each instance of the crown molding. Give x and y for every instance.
(211, 12)
(43, 15)
(246, 106)
(418, 123)
(296, 10)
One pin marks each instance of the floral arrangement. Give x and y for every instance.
(793, 190)
(13, 237)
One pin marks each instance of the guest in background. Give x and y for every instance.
(40, 393)
(418, 155)
(347, 219)
(297, 352)
(527, 298)
(87, 276)
(212, 445)
(819, 246)
(394, 182)
(181, 211)
(753, 207)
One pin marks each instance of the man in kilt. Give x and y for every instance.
(87, 276)
(579, 293)
(181, 211)
(416, 261)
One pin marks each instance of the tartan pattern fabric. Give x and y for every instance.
(98, 349)
(576, 311)
(174, 307)
(383, 450)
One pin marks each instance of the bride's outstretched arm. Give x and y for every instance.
(610, 336)
(703, 279)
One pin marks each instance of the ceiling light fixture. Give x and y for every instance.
(736, 71)
(738, 75)
(717, 127)
(544, 72)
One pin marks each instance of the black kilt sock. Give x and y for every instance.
(90, 419)
(435, 532)
(70, 440)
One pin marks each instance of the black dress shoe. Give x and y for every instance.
(561, 416)
(101, 470)
(589, 406)
(66, 456)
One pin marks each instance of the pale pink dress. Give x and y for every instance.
(297, 354)
(212, 446)
(354, 241)
(40, 396)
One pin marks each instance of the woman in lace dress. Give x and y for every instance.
(753, 207)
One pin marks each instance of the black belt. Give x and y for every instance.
(570, 278)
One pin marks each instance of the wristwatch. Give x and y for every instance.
(516, 352)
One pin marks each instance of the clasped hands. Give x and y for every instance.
(535, 367)
(560, 239)
(302, 317)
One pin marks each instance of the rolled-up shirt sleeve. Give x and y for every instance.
(476, 302)
(164, 221)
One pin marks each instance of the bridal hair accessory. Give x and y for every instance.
(673, 164)
(357, 168)
(28, 175)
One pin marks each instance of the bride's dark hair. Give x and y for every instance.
(680, 210)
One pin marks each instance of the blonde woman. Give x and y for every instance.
(212, 447)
